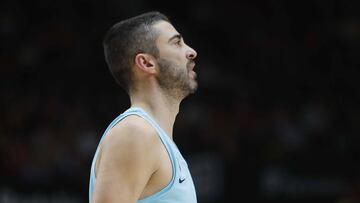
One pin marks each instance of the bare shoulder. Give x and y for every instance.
(133, 128)
(128, 153)
(134, 137)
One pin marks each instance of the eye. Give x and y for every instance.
(178, 42)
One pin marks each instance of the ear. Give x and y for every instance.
(145, 62)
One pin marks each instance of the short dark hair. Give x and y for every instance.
(127, 38)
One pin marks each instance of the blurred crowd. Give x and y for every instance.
(276, 117)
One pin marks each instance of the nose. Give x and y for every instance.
(191, 54)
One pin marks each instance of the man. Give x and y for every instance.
(137, 160)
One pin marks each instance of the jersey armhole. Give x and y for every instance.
(167, 146)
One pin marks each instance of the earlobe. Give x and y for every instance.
(145, 63)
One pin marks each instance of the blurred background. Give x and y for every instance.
(275, 119)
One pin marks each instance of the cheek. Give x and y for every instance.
(177, 55)
(178, 61)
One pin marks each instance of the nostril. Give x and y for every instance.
(191, 55)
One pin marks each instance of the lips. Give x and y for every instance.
(192, 74)
(191, 65)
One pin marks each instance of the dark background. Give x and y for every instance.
(275, 119)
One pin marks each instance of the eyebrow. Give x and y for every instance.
(174, 37)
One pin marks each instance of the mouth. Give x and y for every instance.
(192, 74)
(191, 65)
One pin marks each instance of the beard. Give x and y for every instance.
(175, 80)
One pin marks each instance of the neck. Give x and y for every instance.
(160, 106)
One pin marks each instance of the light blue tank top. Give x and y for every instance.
(181, 187)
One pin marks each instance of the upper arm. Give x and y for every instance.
(126, 163)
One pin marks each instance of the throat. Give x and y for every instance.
(160, 106)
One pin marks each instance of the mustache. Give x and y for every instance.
(190, 63)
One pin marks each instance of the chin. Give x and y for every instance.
(193, 88)
(193, 85)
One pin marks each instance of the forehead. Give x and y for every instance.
(166, 31)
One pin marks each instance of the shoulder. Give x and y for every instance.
(134, 137)
(128, 153)
(133, 128)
